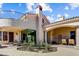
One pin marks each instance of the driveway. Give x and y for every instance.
(62, 51)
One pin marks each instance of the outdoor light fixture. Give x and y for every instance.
(16, 33)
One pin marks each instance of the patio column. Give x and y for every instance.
(77, 36)
(19, 40)
(2, 36)
(19, 36)
(8, 37)
(51, 36)
(46, 37)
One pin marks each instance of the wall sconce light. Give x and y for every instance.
(16, 33)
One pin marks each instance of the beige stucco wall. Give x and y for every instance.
(63, 30)
(28, 23)
(46, 21)
(17, 36)
(8, 22)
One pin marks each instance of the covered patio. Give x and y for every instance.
(9, 34)
(62, 35)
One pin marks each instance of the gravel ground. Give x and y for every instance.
(62, 51)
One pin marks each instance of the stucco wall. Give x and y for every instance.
(17, 36)
(63, 31)
(28, 23)
(7, 22)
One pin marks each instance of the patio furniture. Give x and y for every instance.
(71, 41)
(64, 41)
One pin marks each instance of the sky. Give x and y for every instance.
(53, 11)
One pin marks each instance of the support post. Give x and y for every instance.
(51, 37)
(77, 36)
(8, 37)
(2, 36)
(46, 44)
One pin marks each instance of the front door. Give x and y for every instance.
(5, 37)
(11, 36)
(73, 36)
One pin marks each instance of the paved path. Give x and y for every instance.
(62, 51)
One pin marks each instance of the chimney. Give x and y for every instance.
(39, 31)
(38, 9)
(61, 18)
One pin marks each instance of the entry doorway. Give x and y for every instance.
(24, 37)
(28, 35)
(73, 36)
(11, 36)
(8, 37)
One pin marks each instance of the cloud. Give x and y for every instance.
(59, 15)
(66, 8)
(13, 11)
(46, 7)
(1, 12)
(50, 18)
(26, 11)
(74, 5)
(29, 6)
(1, 5)
(66, 15)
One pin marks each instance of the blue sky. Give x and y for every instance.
(52, 10)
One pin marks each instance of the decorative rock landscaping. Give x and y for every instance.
(37, 49)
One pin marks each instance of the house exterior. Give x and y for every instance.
(40, 29)
(12, 30)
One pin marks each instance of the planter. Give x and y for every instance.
(37, 49)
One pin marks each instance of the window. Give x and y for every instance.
(5, 36)
(0, 35)
(72, 34)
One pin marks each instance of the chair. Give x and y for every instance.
(71, 41)
(64, 41)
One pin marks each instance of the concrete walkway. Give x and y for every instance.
(62, 51)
